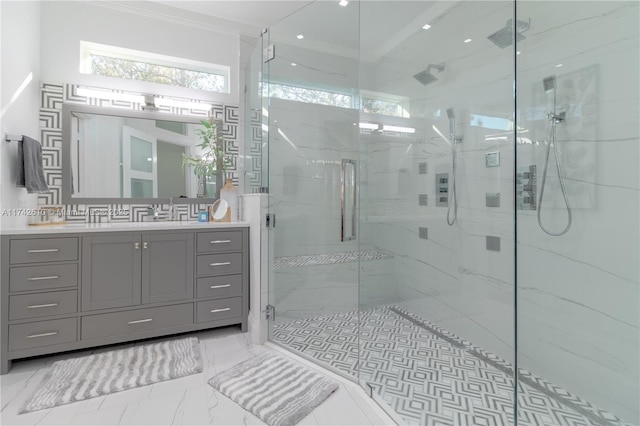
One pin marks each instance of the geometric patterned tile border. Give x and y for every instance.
(429, 376)
(254, 167)
(53, 96)
(328, 259)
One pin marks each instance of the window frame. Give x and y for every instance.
(87, 49)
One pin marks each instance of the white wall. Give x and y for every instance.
(20, 96)
(579, 294)
(66, 23)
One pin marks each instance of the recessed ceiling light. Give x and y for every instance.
(468, 40)
(518, 52)
(559, 66)
(343, 3)
(293, 64)
(426, 26)
(300, 36)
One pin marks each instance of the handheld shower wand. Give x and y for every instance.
(549, 84)
(453, 193)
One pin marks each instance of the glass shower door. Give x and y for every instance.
(312, 133)
(437, 307)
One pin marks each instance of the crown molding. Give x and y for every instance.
(175, 15)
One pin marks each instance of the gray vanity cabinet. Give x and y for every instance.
(84, 289)
(167, 267)
(111, 271)
(134, 269)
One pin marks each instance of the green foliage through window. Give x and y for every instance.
(311, 96)
(142, 71)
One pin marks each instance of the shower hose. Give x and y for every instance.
(552, 141)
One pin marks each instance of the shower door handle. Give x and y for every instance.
(347, 179)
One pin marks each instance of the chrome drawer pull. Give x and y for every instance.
(33, 336)
(44, 251)
(213, 311)
(221, 264)
(220, 286)
(52, 277)
(219, 241)
(48, 305)
(141, 321)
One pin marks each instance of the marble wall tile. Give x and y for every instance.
(579, 294)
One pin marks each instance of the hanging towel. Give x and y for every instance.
(30, 172)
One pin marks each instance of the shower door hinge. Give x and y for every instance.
(270, 312)
(269, 53)
(270, 221)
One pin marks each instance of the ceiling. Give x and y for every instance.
(253, 14)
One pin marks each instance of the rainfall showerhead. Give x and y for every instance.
(504, 36)
(425, 77)
(549, 83)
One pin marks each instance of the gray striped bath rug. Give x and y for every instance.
(90, 376)
(274, 389)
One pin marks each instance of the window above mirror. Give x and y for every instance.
(129, 64)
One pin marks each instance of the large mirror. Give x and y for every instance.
(122, 156)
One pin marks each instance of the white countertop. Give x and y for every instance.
(119, 226)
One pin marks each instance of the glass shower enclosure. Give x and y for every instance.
(455, 190)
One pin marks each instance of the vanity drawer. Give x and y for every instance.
(44, 277)
(139, 320)
(43, 250)
(218, 309)
(43, 304)
(43, 333)
(220, 286)
(219, 241)
(219, 264)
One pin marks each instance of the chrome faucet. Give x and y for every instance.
(172, 212)
(152, 213)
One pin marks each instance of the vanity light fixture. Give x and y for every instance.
(149, 103)
(108, 94)
(468, 40)
(369, 126)
(170, 102)
(300, 36)
(398, 129)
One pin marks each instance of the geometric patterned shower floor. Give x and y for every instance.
(428, 376)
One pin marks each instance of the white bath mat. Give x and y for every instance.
(87, 377)
(274, 389)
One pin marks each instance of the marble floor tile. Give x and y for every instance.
(427, 375)
(184, 401)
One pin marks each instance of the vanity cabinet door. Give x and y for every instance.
(167, 267)
(111, 275)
